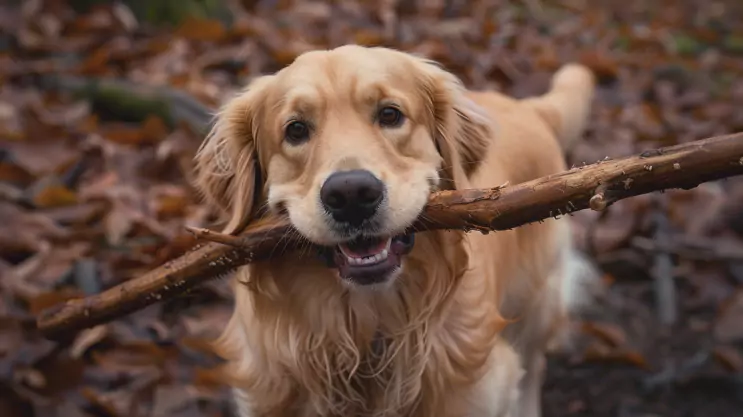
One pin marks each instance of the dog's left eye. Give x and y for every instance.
(296, 133)
(390, 117)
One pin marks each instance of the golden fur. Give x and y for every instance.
(430, 341)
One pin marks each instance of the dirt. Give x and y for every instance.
(94, 187)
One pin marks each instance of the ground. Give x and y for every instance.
(94, 187)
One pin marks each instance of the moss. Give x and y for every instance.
(684, 44)
(733, 44)
(158, 12)
(120, 104)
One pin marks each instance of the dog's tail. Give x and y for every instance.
(567, 104)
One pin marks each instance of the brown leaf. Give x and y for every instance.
(11, 127)
(79, 214)
(54, 195)
(14, 173)
(131, 355)
(29, 377)
(124, 134)
(68, 409)
(151, 131)
(97, 20)
(607, 332)
(169, 201)
(154, 129)
(61, 373)
(368, 38)
(170, 399)
(86, 339)
(209, 379)
(730, 357)
(41, 157)
(11, 336)
(59, 263)
(208, 323)
(602, 64)
(52, 298)
(196, 29)
(119, 222)
(117, 403)
(728, 327)
(95, 63)
(576, 406)
(598, 352)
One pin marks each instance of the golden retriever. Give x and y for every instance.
(379, 320)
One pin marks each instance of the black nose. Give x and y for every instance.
(352, 196)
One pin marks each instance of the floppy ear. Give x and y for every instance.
(228, 171)
(461, 128)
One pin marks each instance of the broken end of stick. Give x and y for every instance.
(598, 202)
(212, 236)
(53, 321)
(198, 231)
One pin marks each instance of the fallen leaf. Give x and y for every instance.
(79, 214)
(52, 298)
(86, 339)
(201, 30)
(603, 65)
(131, 355)
(113, 403)
(29, 377)
(208, 322)
(598, 352)
(607, 332)
(728, 327)
(730, 357)
(154, 129)
(95, 63)
(11, 336)
(13, 173)
(54, 195)
(124, 134)
(169, 399)
(169, 202)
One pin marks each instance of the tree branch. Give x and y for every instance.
(597, 185)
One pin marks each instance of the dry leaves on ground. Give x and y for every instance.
(94, 181)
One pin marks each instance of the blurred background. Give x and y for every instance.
(103, 103)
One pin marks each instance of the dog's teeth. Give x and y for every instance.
(367, 259)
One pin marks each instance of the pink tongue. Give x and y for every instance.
(363, 252)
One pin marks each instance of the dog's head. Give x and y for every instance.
(349, 143)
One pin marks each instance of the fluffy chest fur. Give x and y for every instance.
(301, 343)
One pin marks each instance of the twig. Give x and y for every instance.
(212, 236)
(699, 249)
(664, 287)
(673, 374)
(683, 166)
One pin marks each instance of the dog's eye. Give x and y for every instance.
(296, 133)
(389, 117)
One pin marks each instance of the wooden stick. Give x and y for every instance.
(596, 185)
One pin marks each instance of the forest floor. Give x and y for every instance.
(94, 187)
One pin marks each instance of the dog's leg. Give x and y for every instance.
(241, 403)
(531, 386)
(497, 394)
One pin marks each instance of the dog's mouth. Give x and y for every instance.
(368, 260)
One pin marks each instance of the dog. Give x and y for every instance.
(348, 143)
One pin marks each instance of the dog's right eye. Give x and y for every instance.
(296, 133)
